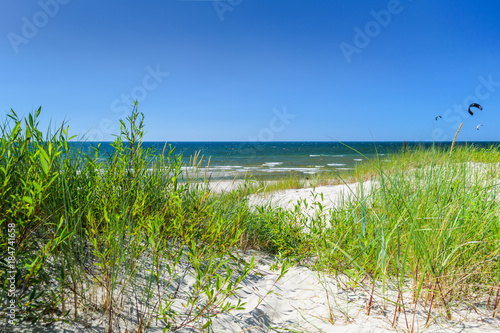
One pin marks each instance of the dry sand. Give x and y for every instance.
(329, 196)
(304, 301)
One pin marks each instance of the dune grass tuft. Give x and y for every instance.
(113, 236)
(134, 239)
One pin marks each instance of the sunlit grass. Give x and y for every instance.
(107, 236)
(112, 236)
(429, 226)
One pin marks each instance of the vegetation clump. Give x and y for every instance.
(113, 236)
(127, 234)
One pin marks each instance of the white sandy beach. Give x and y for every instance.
(330, 197)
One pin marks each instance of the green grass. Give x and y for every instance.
(88, 234)
(125, 233)
(431, 226)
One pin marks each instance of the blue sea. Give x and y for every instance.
(268, 160)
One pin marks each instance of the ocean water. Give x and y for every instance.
(268, 160)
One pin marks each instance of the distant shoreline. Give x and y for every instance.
(277, 159)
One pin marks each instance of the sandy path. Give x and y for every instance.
(329, 196)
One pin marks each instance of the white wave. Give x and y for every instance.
(292, 169)
(272, 164)
(336, 164)
(226, 167)
(247, 169)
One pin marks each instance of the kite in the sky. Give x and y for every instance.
(477, 127)
(474, 105)
(438, 117)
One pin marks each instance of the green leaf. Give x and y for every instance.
(45, 166)
(16, 129)
(32, 295)
(218, 282)
(37, 186)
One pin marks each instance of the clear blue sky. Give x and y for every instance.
(241, 70)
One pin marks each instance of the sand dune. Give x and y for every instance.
(308, 301)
